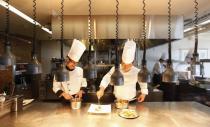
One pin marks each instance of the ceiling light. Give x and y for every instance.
(24, 16)
(199, 25)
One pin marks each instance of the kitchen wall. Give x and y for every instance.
(179, 48)
(51, 49)
(21, 49)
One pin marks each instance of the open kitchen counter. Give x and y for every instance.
(151, 114)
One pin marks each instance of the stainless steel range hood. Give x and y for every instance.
(129, 27)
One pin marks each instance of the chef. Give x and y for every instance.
(76, 84)
(183, 69)
(130, 73)
(158, 69)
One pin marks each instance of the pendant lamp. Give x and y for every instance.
(195, 60)
(90, 70)
(117, 78)
(7, 58)
(143, 73)
(34, 67)
(61, 73)
(169, 74)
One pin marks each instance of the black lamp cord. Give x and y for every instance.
(117, 33)
(169, 32)
(196, 28)
(7, 43)
(144, 33)
(90, 39)
(61, 38)
(34, 29)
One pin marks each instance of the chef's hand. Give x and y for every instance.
(79, 94)
(100, 93)
(66, 96)
(141, 97)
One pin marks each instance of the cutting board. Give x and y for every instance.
(99, 109)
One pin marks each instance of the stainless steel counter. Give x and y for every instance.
(152, 114)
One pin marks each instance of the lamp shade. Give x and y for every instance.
(61, 74)
(34, 67)
(117, 78)
(169, 74)
(143, 75)
(7, 58)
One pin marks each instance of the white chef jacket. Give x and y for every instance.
(158, 68)
(76, 81)
(128, 90)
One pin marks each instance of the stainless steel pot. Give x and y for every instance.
(76, 103)
(121, 104)
(17, 103)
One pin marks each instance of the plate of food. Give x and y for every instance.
(99, 109)
(128, 113)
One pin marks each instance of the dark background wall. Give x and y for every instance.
(21, 49)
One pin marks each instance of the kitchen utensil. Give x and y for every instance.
(17, 103)
(76, 103)
(132, 99)
(121, 104)
(99, 103)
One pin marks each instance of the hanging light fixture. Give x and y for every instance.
(195, 60)
(143, 73)
(61, 73)
(7, 58)
(169, 74)
(117, 78)
(90, 71)
(34, 67)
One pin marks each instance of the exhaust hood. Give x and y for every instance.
(129, 27)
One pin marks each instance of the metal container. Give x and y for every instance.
(76, 103)
(5, 107)
(121, 104)
(2, 98)
(17, 103)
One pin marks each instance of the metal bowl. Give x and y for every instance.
(121, 104)
(76, 103)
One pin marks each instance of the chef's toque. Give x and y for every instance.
(76, 50)
(189, 56)
(163, 56)
(128, 54)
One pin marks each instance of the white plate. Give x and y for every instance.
(128, 113)
(99, 109)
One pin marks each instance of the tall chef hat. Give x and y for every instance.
(189, 56)
(76, 50)
(163, 56)
(128, 54)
